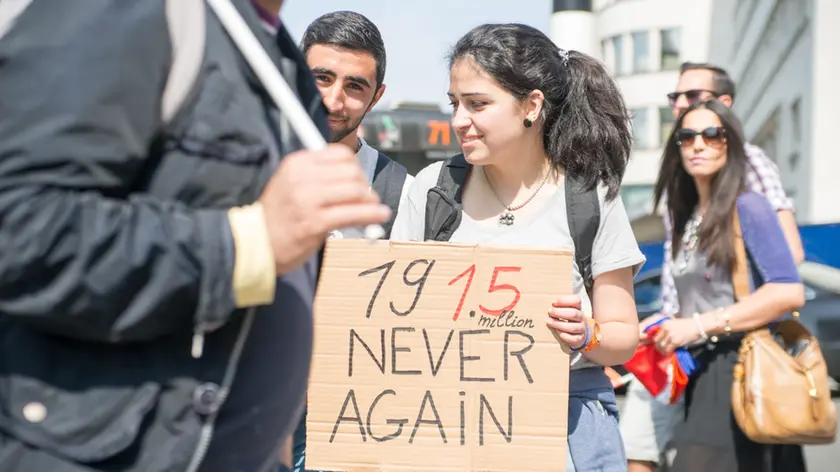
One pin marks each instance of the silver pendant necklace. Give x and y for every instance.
(690, 238)
(507, 218)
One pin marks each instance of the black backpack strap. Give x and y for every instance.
(443, 201)
(388, 181)
(584, 214)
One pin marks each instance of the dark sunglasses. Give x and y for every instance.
(692, 96)
(712, 136)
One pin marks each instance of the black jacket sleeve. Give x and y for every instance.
(80, 88)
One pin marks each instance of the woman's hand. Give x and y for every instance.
(643, 325)
(675, 333)
(566, 318)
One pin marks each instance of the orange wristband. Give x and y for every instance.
(595, 336)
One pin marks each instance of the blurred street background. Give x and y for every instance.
(782, 55)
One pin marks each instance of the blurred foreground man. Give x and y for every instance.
(156, 278)
(646, 425)
(347, 57)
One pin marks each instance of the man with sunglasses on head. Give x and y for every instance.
(647, 425)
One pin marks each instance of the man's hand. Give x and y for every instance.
(311, 194)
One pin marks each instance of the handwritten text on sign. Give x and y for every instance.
(437, 356)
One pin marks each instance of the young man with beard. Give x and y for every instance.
(346, 54)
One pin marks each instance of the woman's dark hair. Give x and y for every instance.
(715, 235)
(585, 122)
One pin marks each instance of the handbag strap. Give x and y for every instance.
(740, 279)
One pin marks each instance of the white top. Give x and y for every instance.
(367, 157)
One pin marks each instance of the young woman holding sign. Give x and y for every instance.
(528, 114)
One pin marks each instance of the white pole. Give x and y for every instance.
(573, 26)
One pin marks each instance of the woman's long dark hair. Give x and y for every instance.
(715, 235)
(585, 121)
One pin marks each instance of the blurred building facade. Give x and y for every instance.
(784, 59)
(643, 43)
(782, 55)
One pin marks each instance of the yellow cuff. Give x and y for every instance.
(254, 275)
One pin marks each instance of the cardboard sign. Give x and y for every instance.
(434, 356)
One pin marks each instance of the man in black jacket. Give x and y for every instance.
(156, 280)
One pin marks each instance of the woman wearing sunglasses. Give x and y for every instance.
(702, 179)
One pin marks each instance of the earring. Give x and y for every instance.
(528, 123)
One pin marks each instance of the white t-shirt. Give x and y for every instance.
(368, 157)
(614, 247)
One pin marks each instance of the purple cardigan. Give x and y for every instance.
(767, 247)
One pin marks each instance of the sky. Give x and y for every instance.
(419, 34)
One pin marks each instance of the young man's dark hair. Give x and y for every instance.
(348, 30)
(724, 85)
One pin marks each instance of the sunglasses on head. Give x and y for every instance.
(692, 96)
(712, 136)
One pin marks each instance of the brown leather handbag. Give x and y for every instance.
(779, 398)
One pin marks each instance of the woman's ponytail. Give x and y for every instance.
(589, 133)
